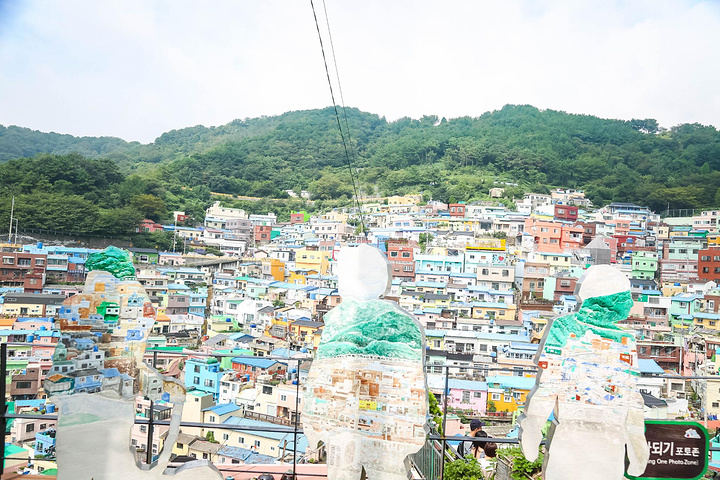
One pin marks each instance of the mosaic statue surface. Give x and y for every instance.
(365, 396)
(98, 377)
(588, 379)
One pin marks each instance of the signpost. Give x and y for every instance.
(678, 450)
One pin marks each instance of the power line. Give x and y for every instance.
(353, 149)
(337, 116)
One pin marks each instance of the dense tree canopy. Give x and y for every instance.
(521, 148)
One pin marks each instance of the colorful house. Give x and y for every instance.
(203, 374)
(506, 393)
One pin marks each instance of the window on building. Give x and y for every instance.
(196, 380)
(23, 385)
(257, 443)
(30, 427)
(143, 428)
(466, 396)
(267, 390)
(196, 369)
(496, 397)
(505, 273)
(507, 399)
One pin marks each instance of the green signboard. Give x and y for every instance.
(678, 450)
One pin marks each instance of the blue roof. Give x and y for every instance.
(511, 381)
(455, 384)
(649, 366)
(33, 319)
(177, 286)
(248, 457)
(463, 274)
(292, 286)
(431, 284)
(686, 297)
(246, 422)
(241, 337)
(530, 347)
(29, 403)
(109, 372)
(281, 352)
(255, 362)
(222, 408)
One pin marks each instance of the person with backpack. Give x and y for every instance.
(473, 447)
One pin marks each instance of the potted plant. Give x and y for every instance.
(512, 465)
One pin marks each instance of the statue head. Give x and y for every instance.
(600, 281)
(363, 273)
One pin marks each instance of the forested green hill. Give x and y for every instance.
(457, 159)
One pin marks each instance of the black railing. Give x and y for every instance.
(429, 461)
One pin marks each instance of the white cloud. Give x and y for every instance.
(135, 69)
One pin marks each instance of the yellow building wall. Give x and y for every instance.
(313, 260)
(502, 406)
(267, 446)
(14, 310)
(507, 313)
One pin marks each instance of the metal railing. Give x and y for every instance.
(430, 460)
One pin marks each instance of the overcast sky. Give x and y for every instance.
(137, 68)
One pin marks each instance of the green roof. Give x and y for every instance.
(167, 349)
(15, 452)
(50, 471)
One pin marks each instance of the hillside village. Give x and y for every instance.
(240, 329)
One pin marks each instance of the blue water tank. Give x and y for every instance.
(43, 328)
(30, 338)
(252, 325)
(95, 348)
(39, 245)
(50, 408)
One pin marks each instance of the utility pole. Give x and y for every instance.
(12, 211)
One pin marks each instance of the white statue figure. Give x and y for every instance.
(98, 374)
(588, 379)
(365, 396)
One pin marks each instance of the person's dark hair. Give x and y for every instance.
(490, 449)
(480, 434)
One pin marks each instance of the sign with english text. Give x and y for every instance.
(678, 450)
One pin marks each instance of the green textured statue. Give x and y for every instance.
(112, 260)
(365, 395)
